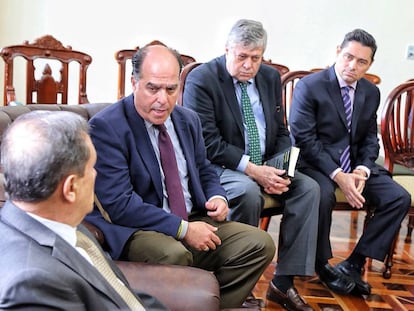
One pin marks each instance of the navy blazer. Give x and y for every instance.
(41, 270)
(128, 182)
(209, 90)
(318, 122)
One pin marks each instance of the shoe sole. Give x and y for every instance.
(339, 291)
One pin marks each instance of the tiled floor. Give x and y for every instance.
(396, 293)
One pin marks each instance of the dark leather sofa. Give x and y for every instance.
(180, 288)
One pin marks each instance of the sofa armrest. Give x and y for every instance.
(180, 288)
(97, 233)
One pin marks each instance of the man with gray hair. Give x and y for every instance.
(48, 163)
(239, 102)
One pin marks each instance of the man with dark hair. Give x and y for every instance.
(334, 122)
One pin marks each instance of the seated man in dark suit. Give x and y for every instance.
(333, 120)
(148, 219)
(215, 91)
(48, 162)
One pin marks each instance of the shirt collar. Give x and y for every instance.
(66, 232)
(150, 125)
(236, 82)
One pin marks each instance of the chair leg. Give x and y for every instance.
(389, 259)
(264, 223)
(410, 228)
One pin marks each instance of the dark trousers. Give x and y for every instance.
(391, 202)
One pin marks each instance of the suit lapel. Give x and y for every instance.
(144, 146)
(358, 105)
(336, 95)
(230, 94)
(184, 136)
(267, 108)
(59, 248)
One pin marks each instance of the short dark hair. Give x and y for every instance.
(363, 37)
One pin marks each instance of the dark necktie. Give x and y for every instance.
(345, 158)
(175, 194)
(100, 263)
(252, 131)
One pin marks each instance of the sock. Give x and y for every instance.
(356, 260)
(319, 264)
(283, 282)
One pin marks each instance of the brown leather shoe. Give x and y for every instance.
(291, 301)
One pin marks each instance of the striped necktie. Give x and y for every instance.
(100, 263)
(345, 158)
(252, 131)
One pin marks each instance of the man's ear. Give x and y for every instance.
(133, 82)
(338, 50)
(70, 188)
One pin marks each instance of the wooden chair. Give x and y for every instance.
(397, 131)
(271, 206)
(289, 80)
(123, 56)
(369, 76)
(47, 89)
(279, 67)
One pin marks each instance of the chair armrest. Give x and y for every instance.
(180, 288)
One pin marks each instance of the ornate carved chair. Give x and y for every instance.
(47, 89)
(124, 56)
(279, 67)
(397, 124)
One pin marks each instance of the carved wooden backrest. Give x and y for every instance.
(122, 56)
(289, 81)
(186, 70)
(369, 76)
(46, 89)
(279, 67)
(397, 126)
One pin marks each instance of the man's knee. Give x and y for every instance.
(249, 190)
(268, 245)
(311, 186)
(176, 256)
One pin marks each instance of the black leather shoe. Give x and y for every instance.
(361, 287)
(291, 301)
(253, 303)
(334, 280)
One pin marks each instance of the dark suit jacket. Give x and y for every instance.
(209, 90)
(318, 123)
(41, 271)
(128, 182)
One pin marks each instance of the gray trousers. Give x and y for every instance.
(299, 224)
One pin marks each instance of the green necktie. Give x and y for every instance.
(252, 132)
